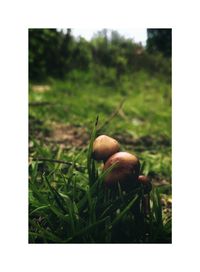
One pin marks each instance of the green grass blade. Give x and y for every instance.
(59, 200)
(157, 207)
(124, 211)
(90, 161)
(89, 228)
(40, 208)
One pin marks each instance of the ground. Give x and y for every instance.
(136, 111)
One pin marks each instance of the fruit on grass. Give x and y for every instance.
(104, 147)
(146, 183)
(125, 171)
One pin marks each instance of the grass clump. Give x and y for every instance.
(69, 204)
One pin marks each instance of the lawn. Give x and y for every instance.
(68, 202)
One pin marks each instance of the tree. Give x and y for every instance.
(50, 53)
(159, 40)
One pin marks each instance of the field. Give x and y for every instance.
(68, 202)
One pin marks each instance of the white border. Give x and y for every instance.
(17, 17)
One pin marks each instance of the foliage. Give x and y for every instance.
(160, 40)
(50, 53)
(54, 53)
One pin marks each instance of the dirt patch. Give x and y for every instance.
(145, 142)
(160, 182)
(68, 135)
(40, 88)
(65, 135)
(77, 136)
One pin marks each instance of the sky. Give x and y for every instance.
(138, 34)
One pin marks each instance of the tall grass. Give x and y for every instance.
(69, 205)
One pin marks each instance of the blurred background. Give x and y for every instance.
(56, 52)
(123, 76)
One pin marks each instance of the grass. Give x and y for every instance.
(68, 202)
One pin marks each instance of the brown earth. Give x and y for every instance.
(68, 135)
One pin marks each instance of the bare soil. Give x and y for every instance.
(68, 135)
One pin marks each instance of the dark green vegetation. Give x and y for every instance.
(68, 202)
(160, 40)
(55, 54)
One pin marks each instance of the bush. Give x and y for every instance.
(56, 54)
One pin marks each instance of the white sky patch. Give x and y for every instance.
(136, 34)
